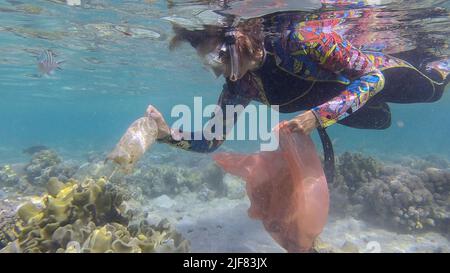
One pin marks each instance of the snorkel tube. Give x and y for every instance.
(230, 42)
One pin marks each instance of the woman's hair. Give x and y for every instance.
(251, 42)
(194, 37)
(253, 39)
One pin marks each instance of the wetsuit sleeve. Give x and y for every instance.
(350, 100)
(331, 52)
(204, 142)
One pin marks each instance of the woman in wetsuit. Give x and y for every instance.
(305, 66)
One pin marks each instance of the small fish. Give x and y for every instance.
(47, 63)
(34, 149)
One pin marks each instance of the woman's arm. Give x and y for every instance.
(333, 53)
(350, 100)
(205, 144)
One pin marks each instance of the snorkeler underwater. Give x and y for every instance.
(240, 126)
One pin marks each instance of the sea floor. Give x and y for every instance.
(209, 208)
(222, 225)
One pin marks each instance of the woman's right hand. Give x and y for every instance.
(163, 128)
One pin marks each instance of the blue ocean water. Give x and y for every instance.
(109, 77)
(116, 61)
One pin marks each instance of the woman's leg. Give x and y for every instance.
(439, 71)
(408, 85)
(374, 115)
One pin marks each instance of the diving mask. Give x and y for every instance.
(216, 59)
(230, 42)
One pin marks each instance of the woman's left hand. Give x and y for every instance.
(304, 123)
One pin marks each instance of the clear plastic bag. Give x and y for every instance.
(287, 189)
(138, 138)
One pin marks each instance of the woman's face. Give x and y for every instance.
(216, 56)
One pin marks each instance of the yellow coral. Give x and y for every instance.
(29, 212)
(85, 217)
(54, 186)
(419, 225)
(58, 208)
(100, 241)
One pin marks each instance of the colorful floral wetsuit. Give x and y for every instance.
(313, 51)
(310, 66)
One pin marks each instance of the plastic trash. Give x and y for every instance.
(138, 138)
(287, 189)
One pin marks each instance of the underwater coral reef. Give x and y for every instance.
(32, 177)
(156, 180)
(88, 216)
(45, 164)
(189, 204)
(10, 178)
(8, 219)
(70, 215)
(395, 195)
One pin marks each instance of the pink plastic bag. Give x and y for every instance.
(287, 189)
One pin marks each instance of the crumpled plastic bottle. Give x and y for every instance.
(287, 189)
(138, 138)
